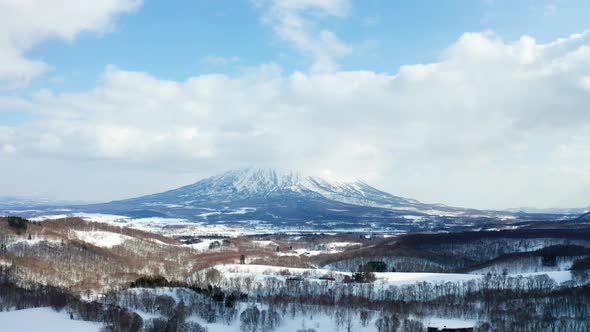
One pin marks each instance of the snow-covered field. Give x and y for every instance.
(43, 319)
(32, 241)
(451, 323)
(242, 210)
(259, 273)
(264, 243)
(180, 227)
(102, 238)
(328, 248)
(558, 276)
(165, 226)
(317, 321)
(203, 245)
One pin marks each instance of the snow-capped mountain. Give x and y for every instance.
(258, 195)
(263, 182)
(255, 196)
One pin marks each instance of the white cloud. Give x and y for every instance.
(11, 103)
(296, 21)
(488, 125)
(25, 23)
(8, 149)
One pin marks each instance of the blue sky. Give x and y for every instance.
(173, 40)
(186, 38)
(83, 79)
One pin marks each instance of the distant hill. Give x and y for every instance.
(572, 211)
(7, 202)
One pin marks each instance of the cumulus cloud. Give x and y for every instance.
(491, 124)
(25, 23)
(296, 22)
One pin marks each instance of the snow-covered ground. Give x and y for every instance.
(241, 270)
(317, 321)
(5, 263)
(406, 278)
(558, 276)
(451, 323)
(182, 227)
(259, 273)
(165, 226)
(328, 248)
(32, 241)
(337, 245)
(210, 212)
(43, 319)
(98, 217)
(203, 245)
(102, 238)
(311, 318)
(264, 243)
(527, 265)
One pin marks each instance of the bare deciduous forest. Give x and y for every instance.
(149, 282)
